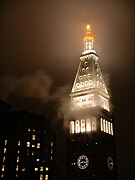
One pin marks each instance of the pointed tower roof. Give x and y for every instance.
(89, 79)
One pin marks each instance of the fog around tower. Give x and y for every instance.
(40, 45)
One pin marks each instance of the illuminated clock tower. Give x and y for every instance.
(91, 151)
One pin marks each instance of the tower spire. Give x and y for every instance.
(88, 40)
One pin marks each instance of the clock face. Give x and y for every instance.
(83, 162)
(110, 163)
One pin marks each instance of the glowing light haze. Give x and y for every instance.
(40, 46)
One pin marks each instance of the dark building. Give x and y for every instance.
(91, 153)
(27, 148)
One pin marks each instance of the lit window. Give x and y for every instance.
(16, 175)
(51, 143)
(93, 124)
(4, 158)
(51, 157)
(17, 168)
(46, 168)
(104, 129)
(41, 168)
(2, 175)
(5, 150)
(83, 69)
(33, 130)
(101, 123)
(29, 129)
(33, 137)
(38, 145)
(5, 142)
(17, 159)
(106, 126)
(19, 143)
(111, 129)
(33, 145)
(46, 177)
(37, 159)
(36, 169)
(88, 125)
(3, 168)
(23, 169)
(28, 144)
(32, 153)
(18, 152)
(41, 176)
(77, 126)
(82, 125)
(72, 127)
(51, 151)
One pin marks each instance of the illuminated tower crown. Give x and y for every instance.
(89, 89)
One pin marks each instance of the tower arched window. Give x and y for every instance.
(82, 125)
(104, 126)
(88, 125)
(72, 127)
(101, 123)
(77, 126)
(111, 129)
(94, 124)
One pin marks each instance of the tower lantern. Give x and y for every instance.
(91, 140)
(88, 40)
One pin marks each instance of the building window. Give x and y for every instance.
(37, 159)
(33, 145)
(106, 126)
(17, 159)
(28, 144)
(29, 129)
(72, 127)
(38, 145)
(41, 168)
(23, 169)
(3, 167)
(17, 168)
(77, 126)
(46, 168)
(33, 137)
(94, 124)
(5, 142)
(88, 125)
(51, 151)
(36, 169)
(46, 177)
(51, 143)
(101, 123)
(19, 143)
(41, 176)
(111, 129)
(5, 150)
(4, 158)
(82, 125)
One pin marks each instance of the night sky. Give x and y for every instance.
(40, 45)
